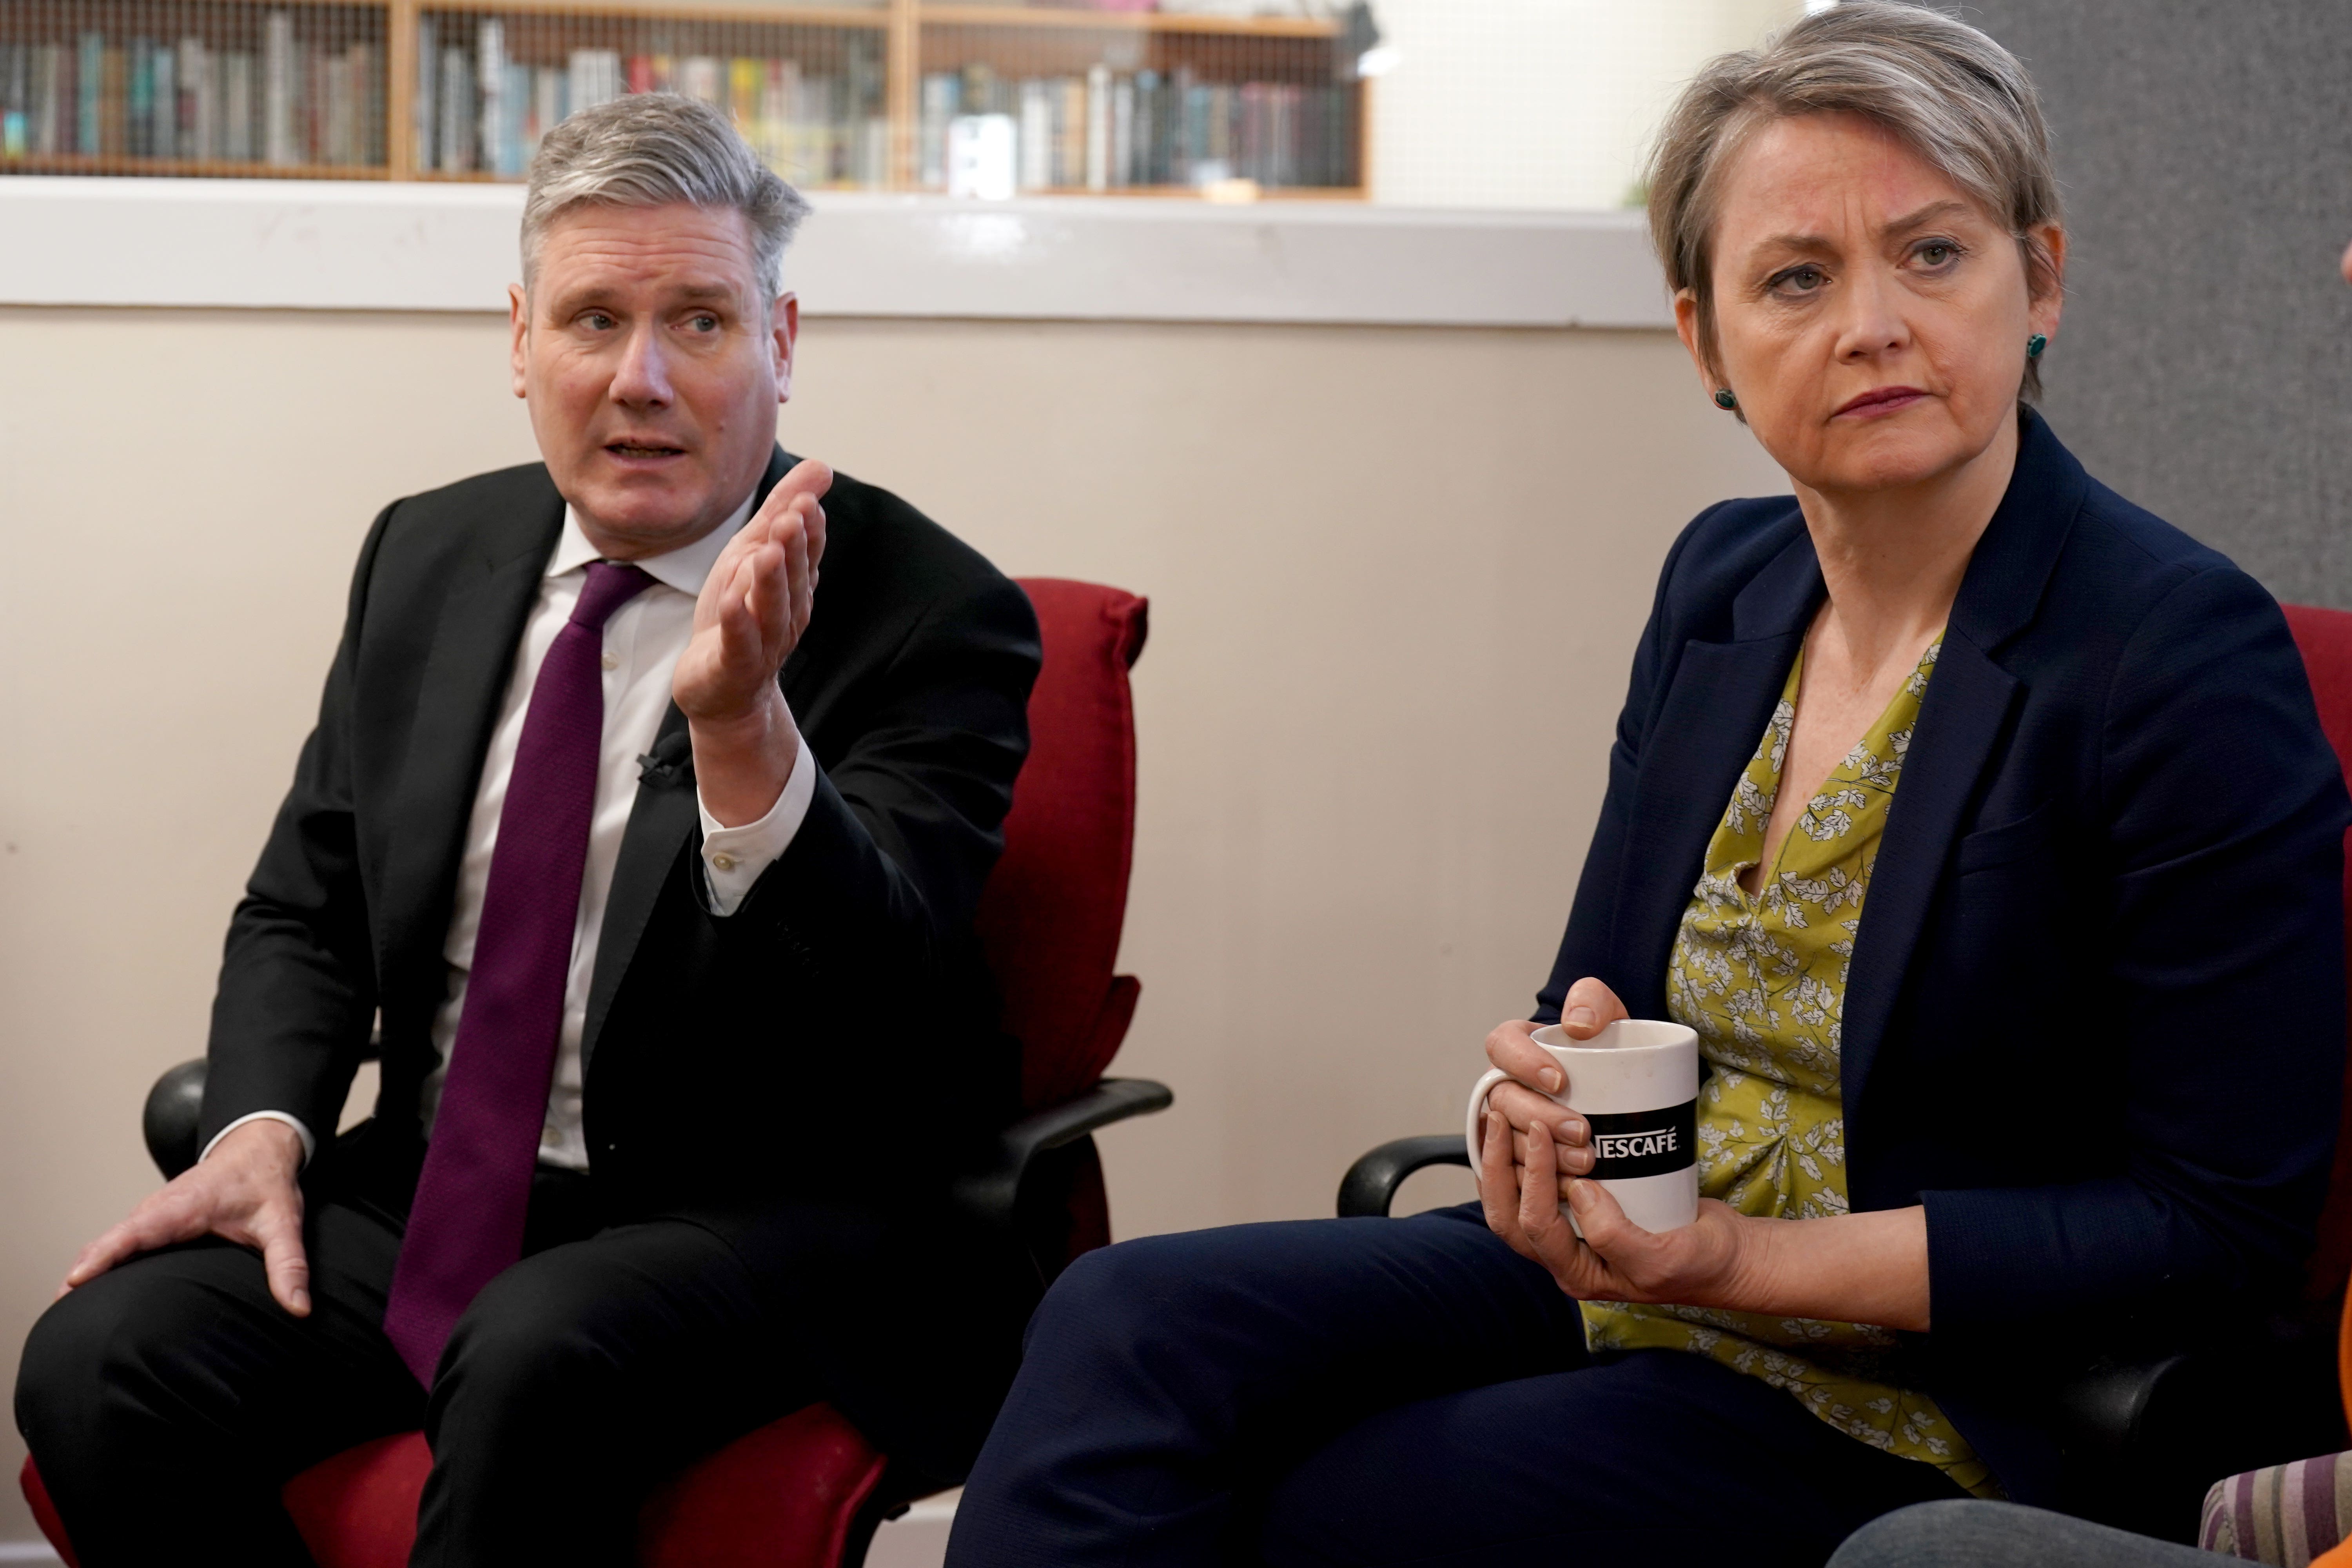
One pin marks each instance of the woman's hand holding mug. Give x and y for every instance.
(1702, 1264)
(1590, 1009)
(1534, 1154)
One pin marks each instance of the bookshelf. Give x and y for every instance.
(881, 95)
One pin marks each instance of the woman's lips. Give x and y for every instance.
(1881, 401)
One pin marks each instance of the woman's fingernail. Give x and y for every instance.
(1571, 1132)
(1580, 1196)
(1582, 1017)
(1551, 1079)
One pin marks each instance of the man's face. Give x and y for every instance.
(653, 364)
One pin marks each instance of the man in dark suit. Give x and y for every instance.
(653, 866)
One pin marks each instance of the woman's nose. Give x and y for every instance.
(1872, 321)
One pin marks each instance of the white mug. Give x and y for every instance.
(1636, 1083)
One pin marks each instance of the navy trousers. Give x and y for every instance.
(1377, 1391)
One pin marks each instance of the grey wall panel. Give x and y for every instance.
(2204, 368)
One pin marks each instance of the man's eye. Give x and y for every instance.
(597, 322)
(705, 323)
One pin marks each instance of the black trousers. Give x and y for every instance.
(1376, 1391)
(168, 1401)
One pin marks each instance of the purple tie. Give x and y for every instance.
(466, 1222)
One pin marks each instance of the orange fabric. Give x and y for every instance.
(2338, 1556)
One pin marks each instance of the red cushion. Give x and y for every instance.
(2326, 638)
(358, 1509)
(1050, 917)
(782, 1497)
(44, 1512)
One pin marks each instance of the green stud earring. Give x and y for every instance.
(2034, 345)
(1724, 401)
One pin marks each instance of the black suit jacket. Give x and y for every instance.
(2095, 1016)
(728, 1062)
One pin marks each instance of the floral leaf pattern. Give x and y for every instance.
(1762, 980)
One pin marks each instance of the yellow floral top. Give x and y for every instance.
(1762, 980)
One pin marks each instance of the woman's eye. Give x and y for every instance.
(1802, 279)
(1936, 252)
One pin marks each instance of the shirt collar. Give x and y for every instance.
(682, 569)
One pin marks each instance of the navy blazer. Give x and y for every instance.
(2095, 1016)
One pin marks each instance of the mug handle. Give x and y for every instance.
(1472, 1134)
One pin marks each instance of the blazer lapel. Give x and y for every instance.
(1705, 732)
(1962, 721)
(665, 816)
(457, 698)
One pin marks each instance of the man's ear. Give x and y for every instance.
(519, 322)
(787, 317)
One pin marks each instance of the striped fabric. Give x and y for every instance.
(2284, 1516)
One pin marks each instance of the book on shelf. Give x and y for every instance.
(1111, 130)
(297, 100)
(477, 109)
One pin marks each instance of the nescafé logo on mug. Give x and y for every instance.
(1644, 1142)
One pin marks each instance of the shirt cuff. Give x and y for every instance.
(310, 1142)
(733, 857)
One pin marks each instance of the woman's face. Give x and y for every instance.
(1870, 316)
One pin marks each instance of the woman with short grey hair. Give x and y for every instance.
(2020, 1008)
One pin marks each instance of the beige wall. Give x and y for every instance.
(1395, 577)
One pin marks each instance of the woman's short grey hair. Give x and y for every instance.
(1958, 99)
(651, 149)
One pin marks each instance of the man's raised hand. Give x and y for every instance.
(756, 603)
(246, 1193)
(754, 608)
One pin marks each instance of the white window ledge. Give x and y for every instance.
(369, 246)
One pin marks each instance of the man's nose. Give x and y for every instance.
(641, 378)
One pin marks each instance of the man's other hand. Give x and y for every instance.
(246, 1191)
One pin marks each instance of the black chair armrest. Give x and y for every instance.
(990, 1191)
(1371, 1183)
(169, 1121)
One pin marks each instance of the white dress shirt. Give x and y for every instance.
(642, 645)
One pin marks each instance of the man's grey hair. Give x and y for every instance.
(1958, 99)
(650, 149)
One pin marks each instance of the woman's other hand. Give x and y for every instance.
(1590, 1008)
(1699, 1265)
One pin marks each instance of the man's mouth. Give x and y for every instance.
(641, 451)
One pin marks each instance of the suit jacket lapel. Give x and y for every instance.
(457, 698)
(1705, 732)
(666, 815)
(1962, 721)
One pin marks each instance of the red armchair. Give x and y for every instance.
(808, 1491)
